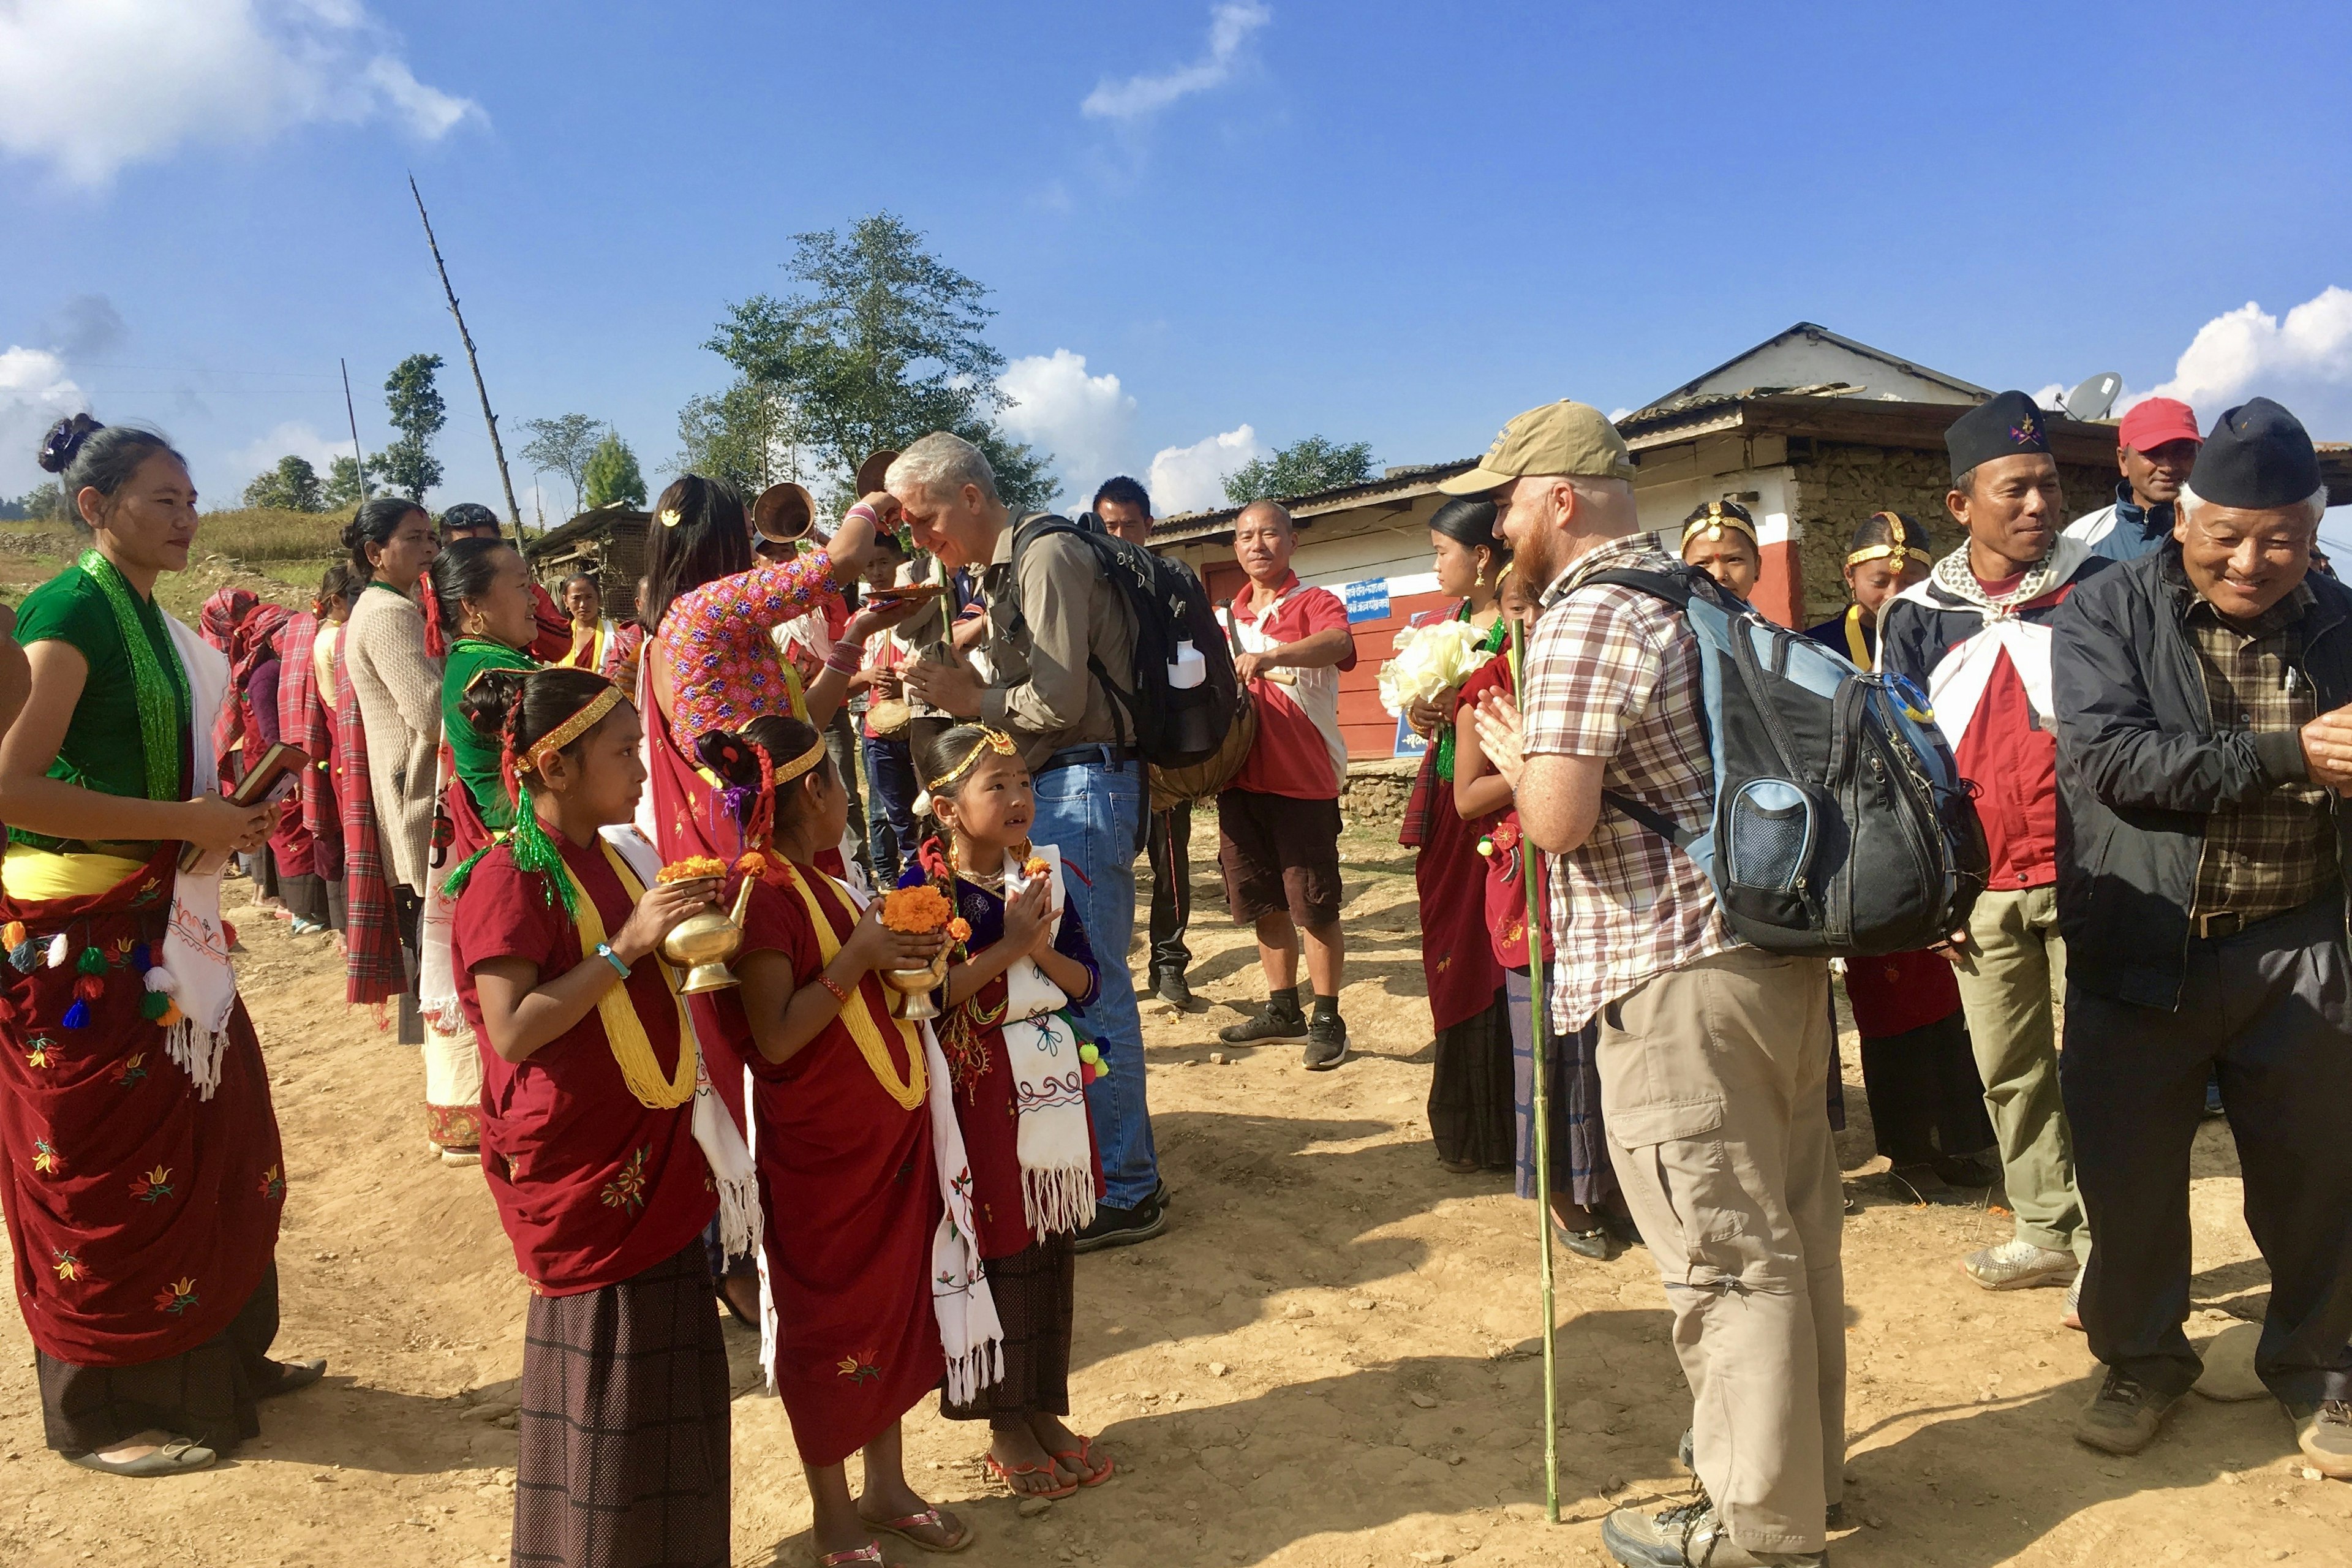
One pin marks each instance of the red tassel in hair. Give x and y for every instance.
(436, 643)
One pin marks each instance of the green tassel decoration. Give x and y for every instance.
(92, 961)
(533, 850)
(152, 1004)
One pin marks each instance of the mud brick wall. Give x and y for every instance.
(1838, 486)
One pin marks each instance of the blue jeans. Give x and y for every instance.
(890, 806)
(1094, 814)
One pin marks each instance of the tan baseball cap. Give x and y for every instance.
(1563, 437)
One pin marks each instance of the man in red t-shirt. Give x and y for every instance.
(1278, 821)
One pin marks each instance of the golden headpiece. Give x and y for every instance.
(990, 740)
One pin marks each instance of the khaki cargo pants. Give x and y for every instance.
(1713, 1085)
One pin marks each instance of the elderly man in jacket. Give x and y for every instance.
(2203, 741)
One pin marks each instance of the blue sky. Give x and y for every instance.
(1252, 221)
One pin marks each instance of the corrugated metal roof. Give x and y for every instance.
(1405, 479)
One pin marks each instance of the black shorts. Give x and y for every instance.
(1279, 854)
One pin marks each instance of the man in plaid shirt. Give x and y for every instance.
(1713, 1055)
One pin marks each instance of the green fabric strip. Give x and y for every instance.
(160, 684)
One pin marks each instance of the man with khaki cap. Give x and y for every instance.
(1713, 1055)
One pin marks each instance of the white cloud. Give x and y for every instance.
(92, 86)
(2050, 395)
(35, 394)
(296, 438)
(1192, 479)
(2303, 360)
(1082, 419)
(1230, 23)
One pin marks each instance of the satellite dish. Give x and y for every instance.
(2093, 398)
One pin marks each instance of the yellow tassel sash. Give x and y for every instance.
(625, 1031)
(908, 1092)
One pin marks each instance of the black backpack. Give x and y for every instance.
(1170, 726)
(1842, 826)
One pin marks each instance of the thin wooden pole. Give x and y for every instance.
(497, 448)
(358, 456)
(1539, 1110)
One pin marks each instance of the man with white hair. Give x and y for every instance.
(2203, 737)
(1054, 617)
(1713, 1055)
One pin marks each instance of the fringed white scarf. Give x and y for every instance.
(1957, 683)
(731, 1170)
(437, 980)
(969, 1330)
(194, 966)
(1052, 1135)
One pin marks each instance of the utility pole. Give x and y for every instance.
(498, 449)
(352, 414)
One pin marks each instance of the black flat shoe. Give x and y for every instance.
(293, 1376)
(1593, 1243)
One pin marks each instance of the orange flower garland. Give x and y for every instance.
(694, 869)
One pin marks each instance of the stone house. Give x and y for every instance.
(1811, 431)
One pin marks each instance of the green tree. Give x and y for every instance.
(743, 435)
(562, 446)
(612, 475)
(413, 405)
(343, 488)
(1301, 468)
(44, 502)
(291, 486)
(882, 345)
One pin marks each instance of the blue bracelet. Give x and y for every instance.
(605, 950)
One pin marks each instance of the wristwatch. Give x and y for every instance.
(605, 950)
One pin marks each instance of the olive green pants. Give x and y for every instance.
(2010, 977)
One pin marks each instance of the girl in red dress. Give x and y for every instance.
(864, 1278)
(1020, 1073)
(589, 1142)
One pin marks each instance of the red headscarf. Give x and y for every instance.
(223, 614)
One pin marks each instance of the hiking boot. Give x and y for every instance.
(1274, 1023)
(1327, 1044)
(2019, 1266)
(2123, 1417)
(1169, 986)
(2323, 1433)
(1116, 1226)
(1687, 1536)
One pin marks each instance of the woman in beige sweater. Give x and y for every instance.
(397, 685)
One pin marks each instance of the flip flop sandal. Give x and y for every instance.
(904, 1528)
(1082, 1458)
(869, 1552)
(1005, 1473)
(174, 1458)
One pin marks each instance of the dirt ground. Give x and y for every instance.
(1329, 1360)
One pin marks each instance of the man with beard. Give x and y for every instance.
(1713, 1055)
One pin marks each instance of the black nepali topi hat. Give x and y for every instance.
(2002, 426)
(2258, 457)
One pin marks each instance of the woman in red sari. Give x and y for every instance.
(848, 1106)
(142, 1178)
(1470, 1090)
(311, 874)
(589, 1144)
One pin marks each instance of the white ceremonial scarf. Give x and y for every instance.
(731, 1170)
(194, 966)
(969, 1330)
(1956, 685)
(1056, 1154)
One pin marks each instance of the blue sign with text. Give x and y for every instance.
(1366, 601)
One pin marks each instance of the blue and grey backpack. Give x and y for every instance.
(1842, 827)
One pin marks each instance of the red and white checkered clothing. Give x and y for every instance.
(1614, 673)
(1299, 752)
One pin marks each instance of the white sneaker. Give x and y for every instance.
(2019, 1266)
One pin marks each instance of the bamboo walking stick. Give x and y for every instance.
(1540, 1112)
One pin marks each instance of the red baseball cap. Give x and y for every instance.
(2154, 421)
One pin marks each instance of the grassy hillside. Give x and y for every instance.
(277, 554)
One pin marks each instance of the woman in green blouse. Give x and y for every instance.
(143, 1172)
(482, 614)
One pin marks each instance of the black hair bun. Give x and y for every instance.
(489, 702)
(729, 755)
(63, 443)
